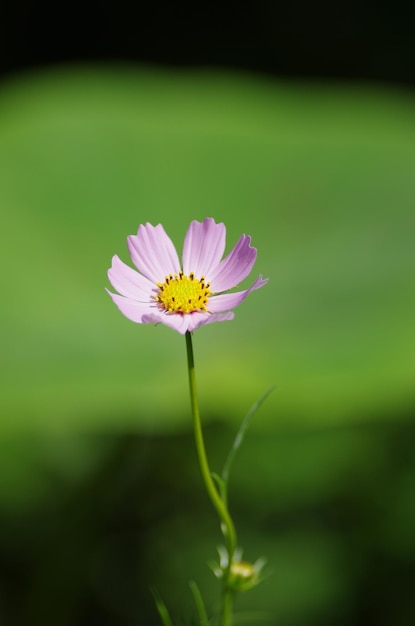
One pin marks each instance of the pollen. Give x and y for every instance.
(183, 294)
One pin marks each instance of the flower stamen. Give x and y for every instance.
(183, 294)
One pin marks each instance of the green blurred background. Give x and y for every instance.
(100, 495)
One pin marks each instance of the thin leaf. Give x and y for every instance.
(197, 597)
(161, 608)
(220, 484)
(240, 435)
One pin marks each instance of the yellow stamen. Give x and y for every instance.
(183, 294)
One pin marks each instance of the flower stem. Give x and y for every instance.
(227, 607)
(218, 503)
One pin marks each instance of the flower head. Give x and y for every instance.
(183, 295)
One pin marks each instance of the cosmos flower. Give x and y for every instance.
(183, 295)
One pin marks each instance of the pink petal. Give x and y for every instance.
(235, 267)
(131, 308)
(128, 282)
(153, 252)
(227, 301)
(175, 321)
(203, 247)
(184, 323)
(200, 319)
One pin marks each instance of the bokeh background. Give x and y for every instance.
(298, 128)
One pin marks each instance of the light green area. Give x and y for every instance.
(322, 177)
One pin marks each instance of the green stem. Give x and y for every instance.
(227, 607)
(214, 496)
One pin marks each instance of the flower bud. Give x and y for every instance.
(242, 576)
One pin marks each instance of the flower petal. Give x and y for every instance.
(235, 267)
(175, 321)
(200, 319)
(184, 323)
(226, 301)
(128, 282)
(131, 308)
(153, 252)
(203, 247)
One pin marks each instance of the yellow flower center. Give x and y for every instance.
(183, 294)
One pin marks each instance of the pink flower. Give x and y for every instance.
(183, 295)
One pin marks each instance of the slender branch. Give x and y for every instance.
(217, 501)
(201, 453)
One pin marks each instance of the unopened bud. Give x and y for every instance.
(240, 575)
(244, 575)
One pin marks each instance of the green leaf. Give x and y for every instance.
(220, 484)
(197, 597)
(161, 608)
(240, 437)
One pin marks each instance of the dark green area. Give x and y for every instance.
(332, 509)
